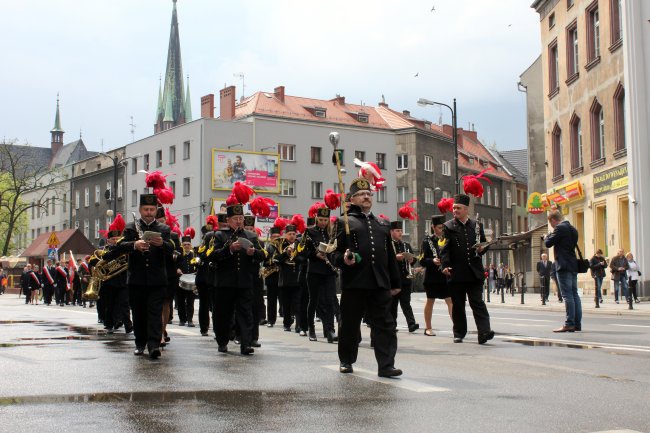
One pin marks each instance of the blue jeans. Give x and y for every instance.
(599, 284)
(569, 288)
(620, 285)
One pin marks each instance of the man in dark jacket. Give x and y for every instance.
(544, 272)
(564, 239)
(369, 278)
(288, 260)
(147, 273)
(618, 267)
(461, 262)
(598, 264)
(405, 261)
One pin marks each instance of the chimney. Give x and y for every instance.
(339, 99)
(207, 106)
(383, 104)
(278, 92)
(227, 103)
(407, 113)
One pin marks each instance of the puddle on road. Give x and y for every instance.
(84, 333)
(550, 344)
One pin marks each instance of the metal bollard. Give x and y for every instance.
(523, 288)
(503, 295)
(487, 287)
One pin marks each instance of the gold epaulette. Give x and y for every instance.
(201, 249)
(442, 242)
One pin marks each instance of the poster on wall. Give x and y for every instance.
(265, 224)
(258, 170)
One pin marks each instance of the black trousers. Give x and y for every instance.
(146, 305)
(321, 289)
(631, 285)
(205, 304)
(272, 297)
(545, 283)
(403, 298)
(59, 294)
(185, 303)
(376, 304)
(116, 306)
(229, 301)
(290, 298)
(474, 293)
(48, 292)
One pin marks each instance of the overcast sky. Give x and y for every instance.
(105, 57)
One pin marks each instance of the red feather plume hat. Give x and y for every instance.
(332, 199)
(472, 183)
(156, 180)
(446, 205)
(280, 223)
(407, 212)
(313, 209)
(298, 221)
(190, 232)
(261, 206)
(212, 221)
(242, 192)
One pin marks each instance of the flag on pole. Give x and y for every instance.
(72, 268)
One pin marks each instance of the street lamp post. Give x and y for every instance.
(454, 134)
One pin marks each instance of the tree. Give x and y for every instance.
(23, 172)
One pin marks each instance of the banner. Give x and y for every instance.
(610, 180)
(566, 193)
(265, 224)
(258, 170)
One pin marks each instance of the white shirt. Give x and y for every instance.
(633, 270)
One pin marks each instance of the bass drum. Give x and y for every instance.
(187, 282)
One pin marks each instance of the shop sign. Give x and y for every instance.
(610, 180)
(536, 203)
(566, 194)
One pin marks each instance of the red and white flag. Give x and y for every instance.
(46, 271)
(72, 268)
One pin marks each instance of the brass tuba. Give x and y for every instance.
(103, 271)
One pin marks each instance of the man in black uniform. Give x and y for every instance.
(287, 259)
(405, 259)
(272, 274)
(461, 262)
(185, 298)
(147, 273)
(435, 282)
(237, 256)
(205, 274)
(61, 279)
(48, 282)
(172, 275)
(321, 277)
(369, 277)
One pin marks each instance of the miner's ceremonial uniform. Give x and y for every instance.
(403, 298)
(185, 298)
(289, 284)
(435, 282)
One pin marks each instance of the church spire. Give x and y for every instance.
(188, 102)
(160, 110)
(173, 97)
(57, 132)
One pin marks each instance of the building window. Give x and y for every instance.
(288, 188)
(320, 112)
(172, 186)
(509, 227)
(287, 152)
(53, 206)
(616, 20)
(145, 162)
(317, 190)
(496, 196)
(551, 20)
(186, 221)
(428, 163)
(158, 158)
(97, 194)
(619, 117)
(172, 154)
(108, 222)
(488, 192)
(96, 228)
(77, 199)
(186, 186)
(186, 150)
(363, 118)
(572, 51)
(446, 168)
(497, 229)
(508, 199)
(341, 153)
(402, 194)
(557, 151)
(597, 132)
(86, 228)
(553, 69)
(64, 205)
(576, 142)
(593, 32)
(76, 225)
(316, 155)
(569, 4)
(381, 195)
(134, 198)
(110, 190)
(428, 195)
(134, 165)
(120, 187)
(402, 161)
(86, 197)
(381, 161)
(360, 155)
(446, 194)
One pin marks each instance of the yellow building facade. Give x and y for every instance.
(584, 121)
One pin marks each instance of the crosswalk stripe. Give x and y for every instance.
(407, 384)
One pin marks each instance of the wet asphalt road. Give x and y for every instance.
(61, 372)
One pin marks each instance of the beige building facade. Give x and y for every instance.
(584, 121)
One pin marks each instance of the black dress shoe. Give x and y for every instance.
(458, 340)
(483, 338)
(346, 368)
(270, 325)
(154, 353)
(312, 334)
(181, 323)
(255, 343)
(139, 351)
(128, 329)
(223, 349)
(247, 351)
(302, 333)
(236, 340)
(110, 331)
(286, 329)
(390, 372)
(204, 334)
(167, 339)
(263, 322)
(414, 327)
(191, 325)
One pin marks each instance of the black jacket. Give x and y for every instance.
(238, 269)
(564, 240)
(401, 247)
(145, 269)
(370, 239)
(171, 261)
(433, 276)
(458, 254)
(598, 266)
(185, 263)
(315, 236)
(289, 269)
(544, 271)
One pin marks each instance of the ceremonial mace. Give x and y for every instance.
(334, 140)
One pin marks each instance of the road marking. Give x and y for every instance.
(617, 431)
(593, 344)
(181, 332)
(407, 384)
(630, 326)
(526, 325)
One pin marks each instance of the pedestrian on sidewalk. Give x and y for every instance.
(633, 274)
(544, 272)
(618, 266)
(492, 278)
(598, 264)
(564, 239)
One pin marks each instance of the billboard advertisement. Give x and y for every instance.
(265, 224)
(258, 170)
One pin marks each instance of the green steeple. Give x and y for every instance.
(169, 111)
(57, 118)
(188, 103)
(160, 112)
